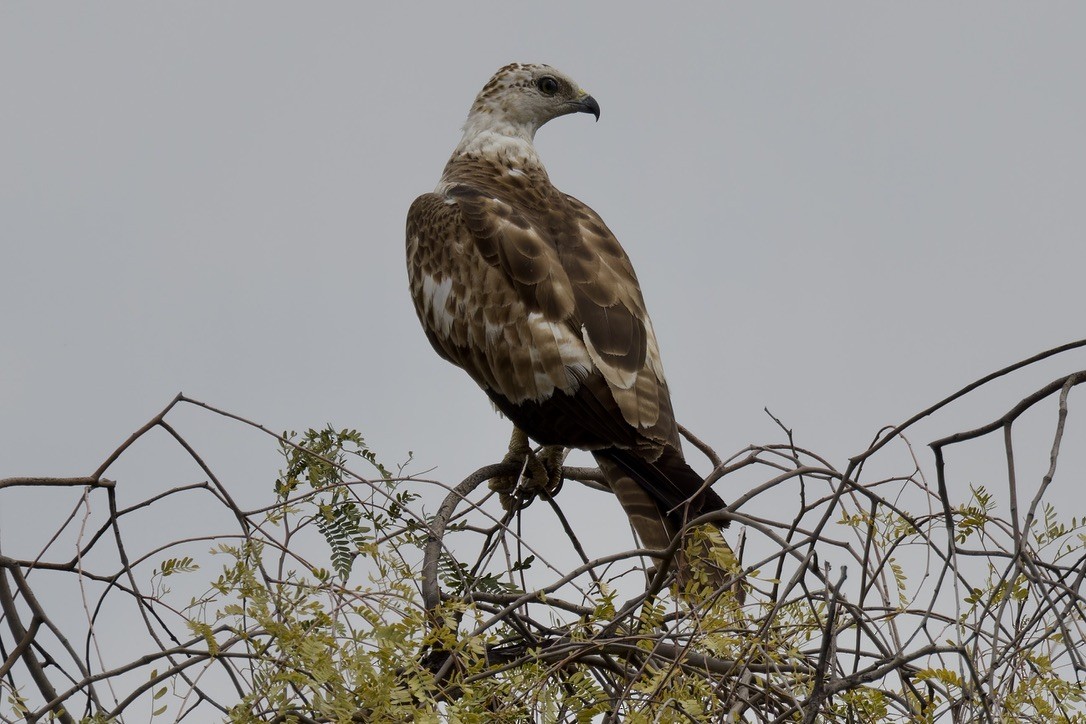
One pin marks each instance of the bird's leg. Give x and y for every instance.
(518, 451)
(551, 458)
(542, 472)
(539, 472)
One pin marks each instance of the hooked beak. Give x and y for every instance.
(588, 104)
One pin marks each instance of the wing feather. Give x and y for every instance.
(480, 313)
(543, 296)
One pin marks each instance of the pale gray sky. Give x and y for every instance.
(842, 212)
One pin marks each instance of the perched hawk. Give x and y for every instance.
(527, 290)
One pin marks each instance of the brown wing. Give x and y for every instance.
(617, 329)
(542, 308)
(567, 267)
(478, 318)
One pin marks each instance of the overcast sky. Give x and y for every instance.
(841, 211)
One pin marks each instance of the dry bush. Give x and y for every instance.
(340, 599)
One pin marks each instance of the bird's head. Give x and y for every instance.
(522, 97)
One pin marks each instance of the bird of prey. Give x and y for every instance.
(527, 290)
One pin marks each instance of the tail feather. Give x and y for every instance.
(678, 490)
(641, 489)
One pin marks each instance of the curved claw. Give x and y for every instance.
(538, 473)
(518, 451)
(550, 459)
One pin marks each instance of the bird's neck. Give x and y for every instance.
(495, 164)
(508, 142)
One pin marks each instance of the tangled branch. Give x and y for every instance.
(343, 599)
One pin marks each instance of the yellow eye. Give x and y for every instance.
(547, 85)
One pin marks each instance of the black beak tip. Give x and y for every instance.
(589, 105)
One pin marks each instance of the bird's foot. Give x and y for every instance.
(537, 473)
(543, 471)
(518, 451)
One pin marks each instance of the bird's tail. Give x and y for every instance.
(679, 491)
(644, 488)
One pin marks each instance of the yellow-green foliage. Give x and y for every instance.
(353, 642)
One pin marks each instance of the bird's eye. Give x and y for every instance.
(547, 85)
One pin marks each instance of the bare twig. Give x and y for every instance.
(956, 608)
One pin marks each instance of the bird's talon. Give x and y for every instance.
(538, 473)
(518, 449)
(551, 459)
